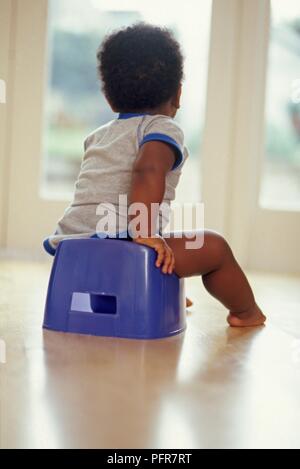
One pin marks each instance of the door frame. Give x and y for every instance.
(237, 28)
(6, 35)
(27, 216)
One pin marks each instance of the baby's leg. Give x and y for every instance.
(221, 276)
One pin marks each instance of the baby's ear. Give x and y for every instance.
(177, 97)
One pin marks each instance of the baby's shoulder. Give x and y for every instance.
(161, 124)
(160, 120)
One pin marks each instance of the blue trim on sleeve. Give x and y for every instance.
(127, 115)
(48, 248)
(167, 139)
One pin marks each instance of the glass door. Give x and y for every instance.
(74, 104)
(280, 185)
(262, 213)
(275, 238)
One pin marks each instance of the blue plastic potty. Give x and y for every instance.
(112, 287)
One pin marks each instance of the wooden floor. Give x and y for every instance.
(213, 387)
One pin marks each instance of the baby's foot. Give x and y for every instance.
(250, 318)
(188, 303)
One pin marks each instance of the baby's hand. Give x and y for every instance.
(165, 255)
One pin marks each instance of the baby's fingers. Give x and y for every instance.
(168, 261)
(160, 255)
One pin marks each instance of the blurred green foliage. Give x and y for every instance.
(66, 143)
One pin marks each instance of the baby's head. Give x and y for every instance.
(141, 69)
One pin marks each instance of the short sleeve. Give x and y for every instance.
(165, 129)
(87, 143)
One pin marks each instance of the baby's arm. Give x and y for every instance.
(155, 159)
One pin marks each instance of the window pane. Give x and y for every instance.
(281, 177)
(74, 103)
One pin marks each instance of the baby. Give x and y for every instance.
(139, 157)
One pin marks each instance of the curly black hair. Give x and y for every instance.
(140, 67)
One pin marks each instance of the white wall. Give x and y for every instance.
(6, 57)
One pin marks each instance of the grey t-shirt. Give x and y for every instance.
(106, 169)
